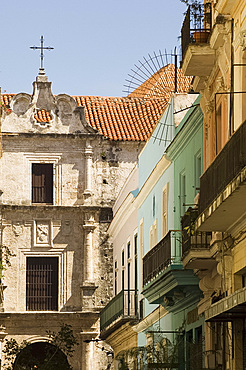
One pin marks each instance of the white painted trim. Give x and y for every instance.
(121, 216)
(151, 181)
(151, 319)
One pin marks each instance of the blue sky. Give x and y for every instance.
(96, 42)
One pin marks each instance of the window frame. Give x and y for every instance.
(42, 183)
(54, 305)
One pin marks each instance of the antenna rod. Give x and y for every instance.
(176, 66)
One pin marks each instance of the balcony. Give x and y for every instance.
(222, 186)
(195, 244)
(163, 274)
(161, 256)
(121, 309)
(197, 55)
(228, 308)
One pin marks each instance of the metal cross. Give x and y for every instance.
(42, 48)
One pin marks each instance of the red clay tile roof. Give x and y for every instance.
(131, 118)
(127, 119)
(161, 84)
(124, 119)
(42, 116)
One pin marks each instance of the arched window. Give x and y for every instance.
(41, 355)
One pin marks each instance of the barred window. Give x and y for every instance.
(42, 284)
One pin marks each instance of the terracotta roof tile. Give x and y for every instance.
(42, 116)
(161, 84)
(130, 118)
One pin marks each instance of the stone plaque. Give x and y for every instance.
(42, 232)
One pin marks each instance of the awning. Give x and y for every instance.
(229, 308)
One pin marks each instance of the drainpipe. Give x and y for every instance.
(231, 122)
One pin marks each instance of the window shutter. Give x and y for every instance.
(42, 183)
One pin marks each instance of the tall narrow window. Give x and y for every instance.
(128, 287)
(141, 250)
(135, 262)
(42, 183)
(129, 275)
(42, 284)
(155, 233)
(243, 96)
(128, 250)
(198, 171)
(115, 277)
(218, 130)
(164, 210)
(189, 342)
(182, 194)
(123, 271)
(153, 206)
(151, 240)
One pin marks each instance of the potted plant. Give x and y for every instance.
(200, 19)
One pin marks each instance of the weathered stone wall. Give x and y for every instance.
(111, 163)
(88, 173)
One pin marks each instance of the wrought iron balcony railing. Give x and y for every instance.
(196, 27)
(166, 252)
(124, 306)
(227, 165)
(192, 239)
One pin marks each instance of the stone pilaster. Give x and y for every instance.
(88, 287)
(88, 171)
(88, 349)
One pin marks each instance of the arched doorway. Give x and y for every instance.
(41, 356)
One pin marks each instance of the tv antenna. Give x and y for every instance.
(157, 76)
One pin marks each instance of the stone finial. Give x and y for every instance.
(42, 94)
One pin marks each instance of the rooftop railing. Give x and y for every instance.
(196, 27)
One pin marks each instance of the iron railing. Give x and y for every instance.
(196, 27)
(124, 305)
(192, 239)
(161, 256)
(226, 166)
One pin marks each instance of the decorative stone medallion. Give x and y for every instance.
(17, 227)
(42, 232)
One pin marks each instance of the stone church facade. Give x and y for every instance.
(61, 169)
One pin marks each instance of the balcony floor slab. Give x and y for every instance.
(198, 60)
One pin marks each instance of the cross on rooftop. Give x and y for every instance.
(42, 48)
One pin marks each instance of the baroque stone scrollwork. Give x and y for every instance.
(17, 228)
(242, 39)
(210, 106)
(42, 232)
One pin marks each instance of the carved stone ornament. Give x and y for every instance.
(66, 227)
(220, 84)
(210, 106)
(42, 233)
(21, 103)
(242, 39)
(17, 228)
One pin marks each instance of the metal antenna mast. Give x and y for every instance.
(42, 48)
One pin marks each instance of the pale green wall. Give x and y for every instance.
(187, 144)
